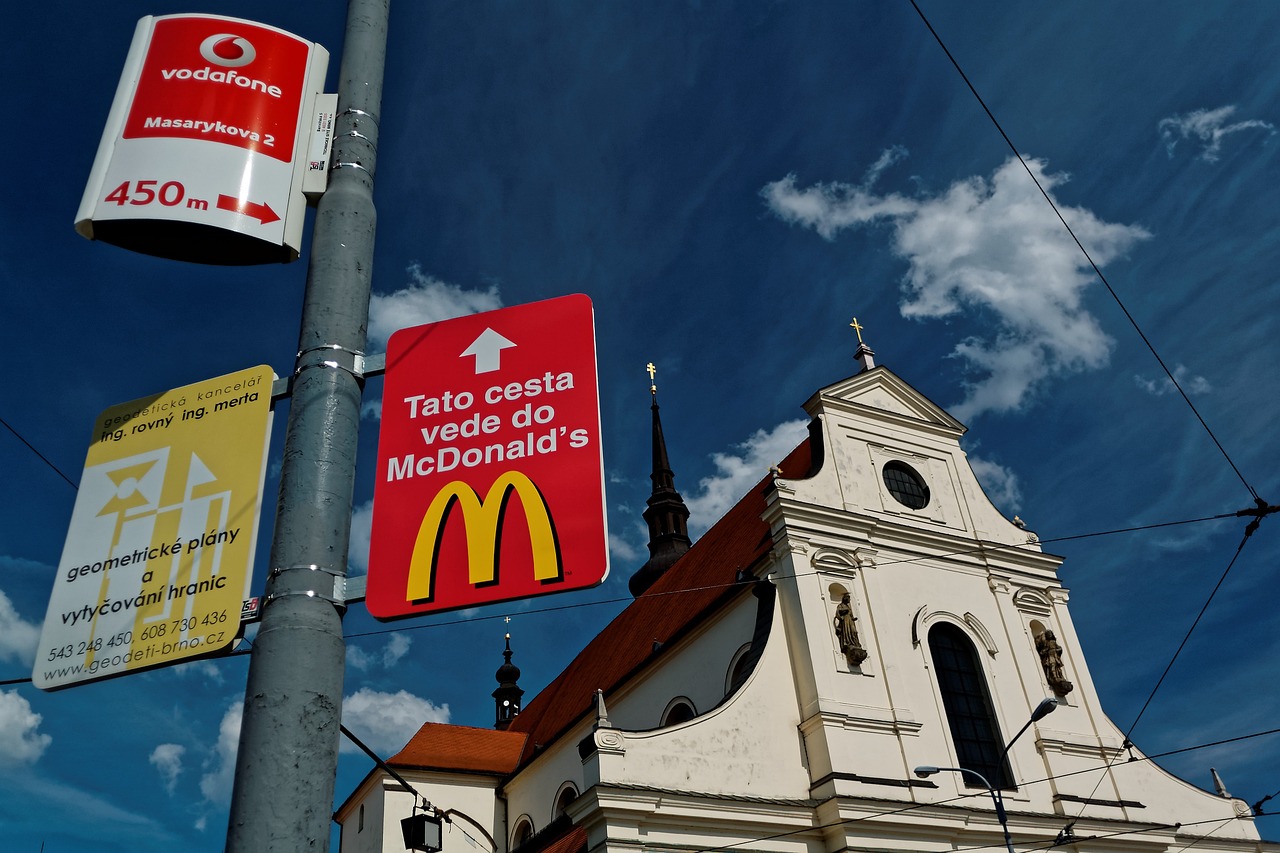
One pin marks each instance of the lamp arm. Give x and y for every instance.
(447, 813)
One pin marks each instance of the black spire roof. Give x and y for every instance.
(666, 514)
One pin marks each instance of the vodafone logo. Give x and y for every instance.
(227, 50)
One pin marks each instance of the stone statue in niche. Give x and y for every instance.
(847, 633)
(1051, 660)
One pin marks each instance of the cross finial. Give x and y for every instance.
(857, 327)
(506, 620)
(653, 389)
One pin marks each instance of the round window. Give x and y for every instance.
(907, 487)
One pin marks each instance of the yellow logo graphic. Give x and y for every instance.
(483, 521)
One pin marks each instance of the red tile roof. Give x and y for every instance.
(437, 746)
(690, 590)
(573, 841)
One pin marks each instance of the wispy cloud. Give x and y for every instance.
(397, 646)
(386, 721)
(18, 637)
(167, 759)
(989, 247)
(621, 549)
(358, 547)
(1206, 128)
(425, 299)
(999, 482)
(21, 742)
(740, 468)
(220, 767)
(1161, 385)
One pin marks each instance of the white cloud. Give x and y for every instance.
(386, 721)
(397, 647)
(18, 637)
(991, 248)
(20, 740)
(1158, 387)
(216, 783)
(167, 759)
(358, 545)
(621, 549)
(425, 299)
(740, 469)
(1000, 484)
(1207, 128)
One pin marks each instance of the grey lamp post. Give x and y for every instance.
(924, 771)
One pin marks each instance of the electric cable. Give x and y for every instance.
(43, 458)
(1132, 726)
(1107, 284)
(982, 549)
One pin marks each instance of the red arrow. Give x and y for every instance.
(261, 212)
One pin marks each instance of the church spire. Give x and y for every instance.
(666, 514)
(507, 697)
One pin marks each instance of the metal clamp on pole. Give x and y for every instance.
(338, 598)
(315, 357)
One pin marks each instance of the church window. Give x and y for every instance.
(907, 487)
(974, 729)
(739, 669)
(679, 710)
(524, 831)
(567, 795)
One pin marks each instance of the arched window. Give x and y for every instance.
(679, 710)
(524, 831)
(739, 668)
(974, 729)
(568, 793)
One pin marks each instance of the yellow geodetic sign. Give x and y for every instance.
(158, 554)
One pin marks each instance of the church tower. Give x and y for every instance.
(507, 697)
(666, 514)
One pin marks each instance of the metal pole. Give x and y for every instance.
(288, 755)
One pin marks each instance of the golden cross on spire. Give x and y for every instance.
(653, 389)
(857, 327)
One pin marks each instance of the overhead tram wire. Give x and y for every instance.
(1262, 508)
(986, 548)
(1128, 735)
(1097, 271)
(43, 458)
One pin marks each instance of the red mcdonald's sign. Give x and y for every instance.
(490, 481)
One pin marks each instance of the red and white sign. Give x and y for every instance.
(490, 483)
(201, 158)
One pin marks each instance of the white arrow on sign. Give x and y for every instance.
(487, 349)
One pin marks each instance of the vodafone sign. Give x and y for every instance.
(200, 157)
(490, 482)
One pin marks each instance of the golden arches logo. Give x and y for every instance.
(483, 522)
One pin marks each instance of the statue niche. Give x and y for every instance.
(1051, 660)
(847, 633)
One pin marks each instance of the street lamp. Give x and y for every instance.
(924, 771)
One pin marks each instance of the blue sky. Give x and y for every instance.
(731, 184)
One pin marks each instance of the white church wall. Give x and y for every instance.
(749, 746)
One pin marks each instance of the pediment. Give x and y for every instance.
(880, 390)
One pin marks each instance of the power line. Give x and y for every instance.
(43, 458)
(1097, 271)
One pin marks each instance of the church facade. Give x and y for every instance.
(863, 654)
